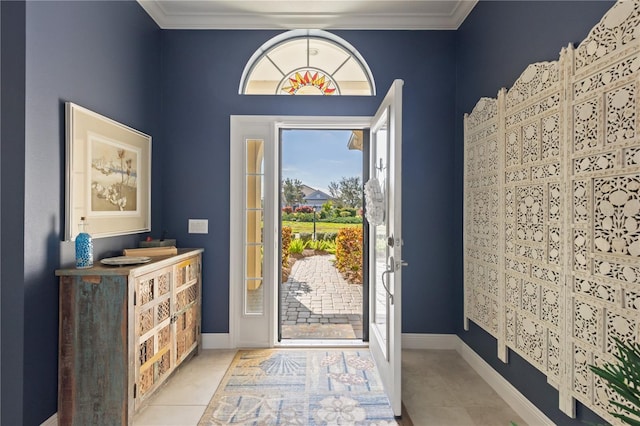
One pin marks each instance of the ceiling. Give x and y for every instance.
(317, 14)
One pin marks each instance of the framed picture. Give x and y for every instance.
(108, 175)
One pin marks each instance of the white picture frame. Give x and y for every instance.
(108, 175)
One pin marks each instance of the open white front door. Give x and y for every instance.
(385, 244)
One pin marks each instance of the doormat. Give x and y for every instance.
(300, 387)
(318, 331)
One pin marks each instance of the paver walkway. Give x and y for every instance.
(316, 295)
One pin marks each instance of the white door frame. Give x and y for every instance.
(262, 330)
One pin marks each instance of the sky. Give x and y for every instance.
(318, 157)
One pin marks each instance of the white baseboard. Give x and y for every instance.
(216, 341)
(520, 404)
(51, 421)
(430, 341)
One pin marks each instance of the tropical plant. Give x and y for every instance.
(327, 210)
(297, 246)
(349, 254)
(286, 241)
(323, 245)
(623, 378)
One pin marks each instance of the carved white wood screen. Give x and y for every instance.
(482, 226)
(552, 210)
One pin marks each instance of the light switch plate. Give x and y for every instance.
(198, 226)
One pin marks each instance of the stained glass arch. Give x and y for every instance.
(307, 62)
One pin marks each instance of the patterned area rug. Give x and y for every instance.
(300, 387)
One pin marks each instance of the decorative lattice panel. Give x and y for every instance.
(603, 175)
(187, 312)
(153, 327)
(482, 205)
(186, 331)
(568, 210)
(187, 271)
(533, 227)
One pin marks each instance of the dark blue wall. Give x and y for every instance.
(494, 46)
(12, 119)
(105, 56)
(201, 73)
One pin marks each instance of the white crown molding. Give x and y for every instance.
(208, 17)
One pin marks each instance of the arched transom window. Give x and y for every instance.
(307, 62)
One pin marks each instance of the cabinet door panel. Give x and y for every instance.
(153, 330)
(187, 306)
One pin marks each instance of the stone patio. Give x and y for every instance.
(317, 303)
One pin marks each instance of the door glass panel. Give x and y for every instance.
(380, 252)
(254, 239)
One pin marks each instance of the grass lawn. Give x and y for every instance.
(320, 226)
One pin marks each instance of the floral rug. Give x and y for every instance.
(300, 387)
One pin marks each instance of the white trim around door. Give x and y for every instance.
(261, 329)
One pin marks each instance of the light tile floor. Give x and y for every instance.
(182, 399)
(439, 388)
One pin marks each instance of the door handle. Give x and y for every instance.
(389, 295)
(392, 267)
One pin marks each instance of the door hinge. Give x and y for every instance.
(135, 296)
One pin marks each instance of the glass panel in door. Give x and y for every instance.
(254, 243)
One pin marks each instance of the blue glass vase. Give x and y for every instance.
(84, 247)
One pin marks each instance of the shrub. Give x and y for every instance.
(303, 217)
(287, 210)
(286, 241)
(349, 254)
(347, 212)
(357, 219)
(330, 236)
(304, 209)
(305, 236)
(297, 246)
